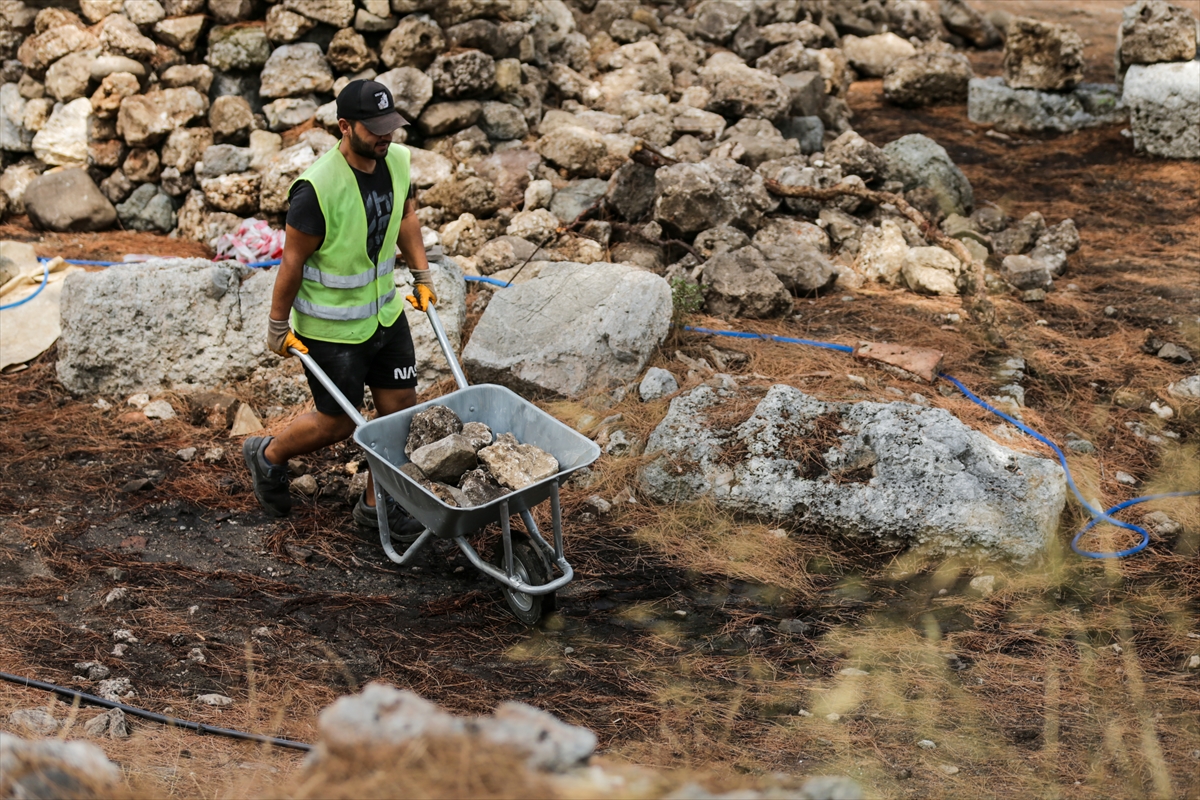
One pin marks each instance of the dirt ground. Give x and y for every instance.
(1070, 679)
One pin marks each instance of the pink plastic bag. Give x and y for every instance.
(253, 241)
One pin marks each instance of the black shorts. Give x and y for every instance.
(385, 361)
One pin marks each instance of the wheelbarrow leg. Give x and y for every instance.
(555, 553)
(385, 534)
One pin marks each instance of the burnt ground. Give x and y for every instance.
(1069, 681)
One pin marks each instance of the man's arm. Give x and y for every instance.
(297, 247)
(412, 247)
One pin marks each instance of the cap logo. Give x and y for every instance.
(383, 100)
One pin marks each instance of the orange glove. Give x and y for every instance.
(423, 289)
(280, 337)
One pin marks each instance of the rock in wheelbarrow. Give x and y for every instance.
(446, 459)
(480, 488)
(431, 425)
(515, 465)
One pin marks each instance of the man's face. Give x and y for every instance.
(367, 144)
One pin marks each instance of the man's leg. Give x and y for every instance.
(307, 434)
(388, 401)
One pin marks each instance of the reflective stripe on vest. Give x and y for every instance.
(312, 273)
(343, 313)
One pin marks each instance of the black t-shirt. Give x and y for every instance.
(304, 211)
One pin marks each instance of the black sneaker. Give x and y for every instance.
(270, 480)
(404, 528)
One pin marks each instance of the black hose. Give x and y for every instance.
(199, 727)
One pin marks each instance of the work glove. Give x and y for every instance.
(423, 289)
(280, 337)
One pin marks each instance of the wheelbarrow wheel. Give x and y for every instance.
(531, 569)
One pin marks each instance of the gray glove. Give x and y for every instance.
(280, 337)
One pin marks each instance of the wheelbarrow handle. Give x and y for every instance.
(436, 323)
(330, 387)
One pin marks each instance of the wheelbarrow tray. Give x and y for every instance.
(503, 411)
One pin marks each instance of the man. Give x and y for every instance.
(335, 295)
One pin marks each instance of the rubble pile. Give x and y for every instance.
(464, 464)
(581, 132)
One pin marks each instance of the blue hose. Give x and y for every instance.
(24, 300)
(485, 279)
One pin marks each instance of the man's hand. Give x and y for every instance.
(423, 289)
(280, 337)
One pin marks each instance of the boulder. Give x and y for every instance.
(740, 284)
(795, 171)
(632, 192)
(182, 33)
(119, 35)
(431, 425)
(412, 90)
(107, 64)
(230, 118)
(141, 165)
(509, 172)
(348, 52)
(338, 13)
(959, 18)
(656, 384)
(872, 56)
(144, 119)
(693, 197)
(237, 47)
(279, 172)
(296, 69)
(931, 270)
(284, 26)
(882, 252)
(414, 42)
(222, 159)
(14, 136)
(1089, 105)
(441, 118)
(928, 79)
(807, 90)
(501, 121)
(515, 465)
(463, 194)
(917, 160)
(384, 716)
(68, 78)
(895, 473)
(68, 200)
(54, 768)
(1164, 108)
(856, 156)
(38, 52)
(534, 226)
(1155, 31)
(741, 91)
(236, 192)
(718, 20)
(198, 76)
(759, 141)
(446, 459)
(148, 208)
(62, 141)
(797, 252)
(480, 487)
(574, 329)
(288, 112)
(106, 100)
(1042, 55)
(463, 74)
(505, 252)
(1026, 272)
(185, 146)
(579, 150)
(578, 196)
(227, 11)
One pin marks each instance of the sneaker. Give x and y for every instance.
(404, 529)
(270, 480)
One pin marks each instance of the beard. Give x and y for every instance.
(361, 147)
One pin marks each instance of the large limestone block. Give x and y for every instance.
(1164, 108)
(896, 474)
(741, 284)
(68, 200)
(572, 330)
(695, 197)
(990, 101)
(928, 79)
(1042, 55)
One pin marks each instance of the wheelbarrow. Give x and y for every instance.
(526, 566)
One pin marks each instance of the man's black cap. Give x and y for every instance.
(371, 103)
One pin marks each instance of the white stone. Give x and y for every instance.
(1164, 108)
(63, 140)
(218, 700)
(159, 409)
